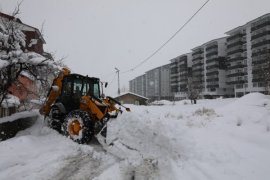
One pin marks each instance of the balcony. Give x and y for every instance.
(212, 80)
(260, 60)
(184, 58)
(211, 47)
(210, 86)
(197, 67)
(174, 82)
(198, 64)
(197, 52)
(214, 66)
(234, 82)
(183, 62)
(236, 36)
(197, 75)
(183, 83)
(237, 43)
(235, 51)
(236, 66)
(184, 86)
(197, 57)
(212, 63)
(183, 67)
(259, 26)
(258, 78)
(259, 35)
(258, 44)
(211, 60)
(263, 52)
(236, 74)
(213, 53)
(215, 72)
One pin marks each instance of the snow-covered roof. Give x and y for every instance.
(126, 93)
(17, 20)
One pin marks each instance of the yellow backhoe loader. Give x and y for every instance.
(75, 108)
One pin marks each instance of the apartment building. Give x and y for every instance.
(154, 84)
(138, 85)
(179, 73)
(248, 49)
(209, 69)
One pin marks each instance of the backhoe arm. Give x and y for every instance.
(54, 92)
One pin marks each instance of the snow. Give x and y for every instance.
(3, 63)
(213, 139)
(32, 42)
(10, 101)
(16, 116)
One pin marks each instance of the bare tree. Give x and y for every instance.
(263, 73)
(194, 88)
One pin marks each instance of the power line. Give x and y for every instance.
(166, 42)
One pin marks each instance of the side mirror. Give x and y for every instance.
(106, 84)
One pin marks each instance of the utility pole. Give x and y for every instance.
(117, 71)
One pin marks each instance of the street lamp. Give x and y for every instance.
(117, 71)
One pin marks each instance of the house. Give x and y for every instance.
(132, 98)
(33, 37)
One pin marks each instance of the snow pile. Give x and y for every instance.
(3, 63)
(144, 140)
(161, 102)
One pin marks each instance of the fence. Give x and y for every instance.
(7, 111)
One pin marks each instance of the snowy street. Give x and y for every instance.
(214, 139)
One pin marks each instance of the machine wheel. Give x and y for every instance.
(53, 121)
(78, 126)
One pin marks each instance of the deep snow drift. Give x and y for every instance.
(214, 139)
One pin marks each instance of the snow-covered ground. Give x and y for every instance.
(214, 139)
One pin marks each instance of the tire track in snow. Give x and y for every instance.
(86, 166)
(76, 166)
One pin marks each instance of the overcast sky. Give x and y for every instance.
(96, 36)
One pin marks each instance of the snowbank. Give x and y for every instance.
(15, 116)
(161, 102)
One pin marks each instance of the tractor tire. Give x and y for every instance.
(53, 120)
(78, 126)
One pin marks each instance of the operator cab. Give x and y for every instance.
(74, 87)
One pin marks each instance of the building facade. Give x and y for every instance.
(248, 50)
(209, 69)
(179, 73)
(215, 69)
(154, 84)
(138, 85)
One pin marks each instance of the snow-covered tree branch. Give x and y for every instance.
(17, 61)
